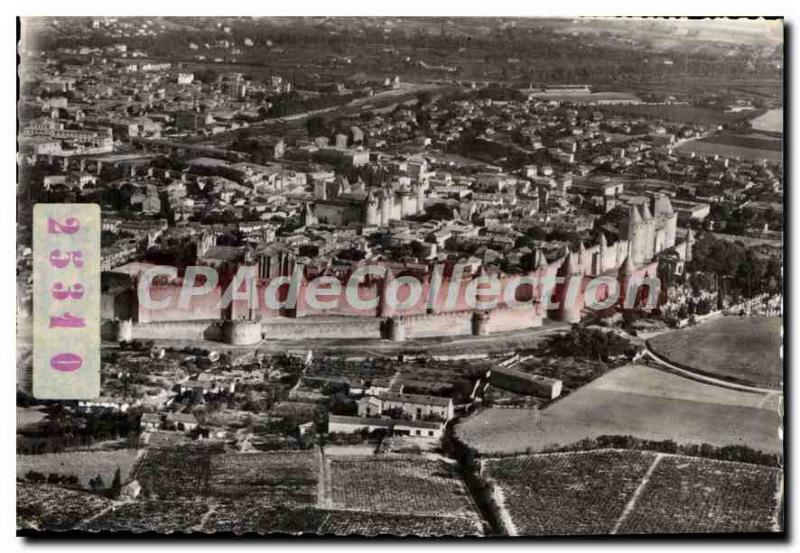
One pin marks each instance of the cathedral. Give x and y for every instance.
(346, 203)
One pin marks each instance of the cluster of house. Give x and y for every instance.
(402, 414)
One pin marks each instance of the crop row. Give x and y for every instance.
(568, 494)
(400, 485)
(686, 495)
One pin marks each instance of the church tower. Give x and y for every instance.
(568, 292)
(648, 236)
(626, 271)
(372, 210)
(690, 240)
(309, 217)
(635, 234)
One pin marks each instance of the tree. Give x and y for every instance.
(315, 126)
(33, 476)
(116, 484)
(97, 484)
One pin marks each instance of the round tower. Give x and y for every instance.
(385, 306)
(124, 330)
(420, 198)
(396, 329)
(626, 271)
(648, 234)
(635, 232)
(386, 204)
(569, 298)
(241, 332)
(480, 323)
(690, 240)
(408, 203)
(373, 214)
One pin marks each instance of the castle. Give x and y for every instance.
(345, 203)
(644, 233)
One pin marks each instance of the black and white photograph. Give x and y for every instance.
(399, 276)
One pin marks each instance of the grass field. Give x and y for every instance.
(83, 464)
(675, 113)
(29, 415)
(589, 98)
(705, 148)
(771, 121)
(632, 400)
(751, 141)
(745, 350)
(632, 492)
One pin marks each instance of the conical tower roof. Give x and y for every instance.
(570, 266)
(636, 218)
(646, 213)
(627, 268)
(603, 241)
(541, 262)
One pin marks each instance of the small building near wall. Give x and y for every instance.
(416, 429)
(182, 422)
(411, 406)
(525, 383)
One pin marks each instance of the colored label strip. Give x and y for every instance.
(66, 301)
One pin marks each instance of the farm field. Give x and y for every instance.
(753, 141)
(632, 400)
(149, 516)
(404, 485)
(264, 479)
(244, 518)
(686, 495)
(27, 416)
(567, 493)
(275, 478)
(771, 121)
(46, 507)
(83, 464)
(590, 98)
(633, 492)
(704, 148)
(343, 523)
(745, 350)
(676, 113)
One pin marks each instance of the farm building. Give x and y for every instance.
(525, 383)
(102, 405)
(349, 425)
(150, 421)
(181, 421)
(131, 490)
(410, 405)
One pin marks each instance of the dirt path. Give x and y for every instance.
(324, 496)
(500, 499)
(102, 512)
(632, 502)
(777, 523)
